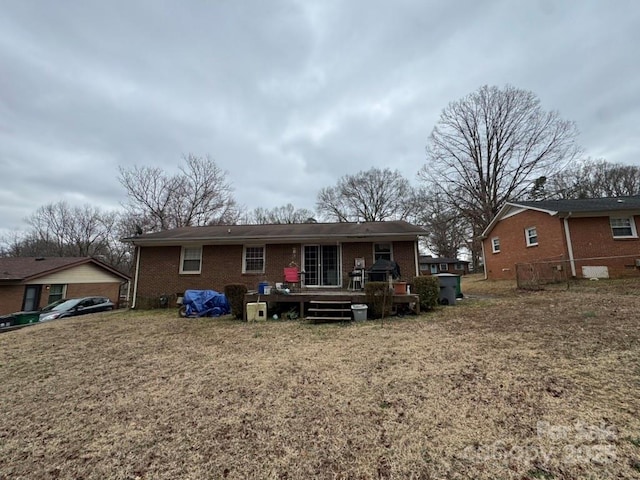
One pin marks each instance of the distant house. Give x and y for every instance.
(431, 265)
(589, 237)
(30, 283)
(211, 257)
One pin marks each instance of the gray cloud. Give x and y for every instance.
(287, 96)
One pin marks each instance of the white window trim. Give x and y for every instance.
(63, 294)
(244, 258)
(493, 244)
(190, 272)
(446, 267)
(632, 223)
(528, 237)
(373, 247)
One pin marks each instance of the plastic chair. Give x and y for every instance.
(292, 275)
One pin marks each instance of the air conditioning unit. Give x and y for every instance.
(638, 262)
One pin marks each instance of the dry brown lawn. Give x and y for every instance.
(506, 384)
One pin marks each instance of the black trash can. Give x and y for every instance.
(448, 288)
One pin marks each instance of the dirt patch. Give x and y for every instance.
(516, 385)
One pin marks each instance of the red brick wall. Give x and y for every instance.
(222, 265)
(111, 290)
(592, 238)
(513, 246)
(403, 254)
(11, 297)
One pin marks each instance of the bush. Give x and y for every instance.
(235, 294)
(378, 297)
(428, 289)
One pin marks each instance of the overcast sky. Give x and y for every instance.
(287, 96)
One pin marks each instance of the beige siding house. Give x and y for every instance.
(30, 283)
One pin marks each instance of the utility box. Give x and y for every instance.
(449, 287)
(256, 311)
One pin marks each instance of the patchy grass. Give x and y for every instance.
(509, 384)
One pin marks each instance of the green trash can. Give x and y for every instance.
(448, 288)
(25, 318)
(459, 288)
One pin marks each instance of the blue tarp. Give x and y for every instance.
(205, 303)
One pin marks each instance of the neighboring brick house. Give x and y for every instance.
(30, 283)
(211, 257)
(431, 265)
(590, 237)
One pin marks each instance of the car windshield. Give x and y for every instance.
(51, 306)
(64, 306)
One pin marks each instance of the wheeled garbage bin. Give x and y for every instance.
(448, 288)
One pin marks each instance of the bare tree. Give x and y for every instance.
(447, 230)
(490, 146)
(61, 230)
(590, 179)
(284, 214)
(370, 196)
(199, 195)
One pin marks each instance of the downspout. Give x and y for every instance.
(135, 278)
(416, 256)
(484, 260)
(572, 261)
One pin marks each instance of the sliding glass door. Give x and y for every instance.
(322, 266)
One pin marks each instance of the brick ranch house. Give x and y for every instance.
(590, 237)
(432, 265)
(172, 261)
(30, 283)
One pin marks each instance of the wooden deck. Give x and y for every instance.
(305, 297)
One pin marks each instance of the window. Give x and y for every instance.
(459, 266)
(444, 267)
(623, 227)
(495, 244)
(253, 259)
(382, 250)
(191, 260)
(56, 292)
(531, 235)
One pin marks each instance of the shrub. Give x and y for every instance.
(378, 297)
(428, 288)
(235, 294)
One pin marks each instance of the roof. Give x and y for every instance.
(281, 233)
(585, 205)
(428, 259)
(27, 268)
(576, 207)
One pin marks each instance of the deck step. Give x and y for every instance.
(330, 302)
(330, 311)
(332, 319)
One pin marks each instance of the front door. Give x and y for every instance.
(31, 300)
(321, 266)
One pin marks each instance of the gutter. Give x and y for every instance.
(567, 233)
(135, 280)
(484, 260)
